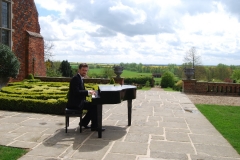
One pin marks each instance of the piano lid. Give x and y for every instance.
(110, 94)
(115, 87)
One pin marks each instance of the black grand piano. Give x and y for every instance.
(113, 94)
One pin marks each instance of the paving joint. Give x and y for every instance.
(165, 125)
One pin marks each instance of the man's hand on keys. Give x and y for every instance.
(92, 92)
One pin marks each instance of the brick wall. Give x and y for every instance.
(189, 86)
(192, 86)
(27, 42)
(36, 65)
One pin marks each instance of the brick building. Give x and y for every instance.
(20, 30)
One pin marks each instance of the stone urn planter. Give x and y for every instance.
(189, 72)
(118, 70)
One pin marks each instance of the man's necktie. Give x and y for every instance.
(82, 83)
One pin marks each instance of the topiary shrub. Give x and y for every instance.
(30, 76)
(167, 80)
(112, 81)
(147, 84)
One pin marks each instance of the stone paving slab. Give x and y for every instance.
(165, 126)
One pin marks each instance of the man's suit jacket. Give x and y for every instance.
(77, 93)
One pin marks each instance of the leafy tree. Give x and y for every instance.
(210, 72)
(139, 67)
(65, 69)
(167, 79)
(172, 68)
(48, 48)
(222, 72)
(53, 68)
(200, 73)
(108, 72)
(9, 64)
(192, 57)
(236, 74)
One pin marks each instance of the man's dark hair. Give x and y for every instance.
(82, 65)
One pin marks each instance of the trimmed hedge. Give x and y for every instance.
(33, 105)
(139, 80)
(37, 97)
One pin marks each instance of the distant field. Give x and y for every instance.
(125, 73)
(74, 66)
(95, 71)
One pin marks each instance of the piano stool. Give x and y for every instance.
(73, 113)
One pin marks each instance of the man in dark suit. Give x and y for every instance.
(77, 98)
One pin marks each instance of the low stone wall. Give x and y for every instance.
(192, 86)
(86, 80)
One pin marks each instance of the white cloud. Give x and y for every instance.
(133, 15)
(142, 31)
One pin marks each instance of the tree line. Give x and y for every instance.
(219, 73)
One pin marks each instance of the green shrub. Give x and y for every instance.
(167, 80)
(30, 76)
(139, 86)
(9, 64)
(178, 86)
(147, 84)
(112, 81)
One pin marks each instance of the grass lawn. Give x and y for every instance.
(226, 119)
(10, 153)
(130, 74)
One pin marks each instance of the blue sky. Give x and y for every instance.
(141, 31)
(44, 12)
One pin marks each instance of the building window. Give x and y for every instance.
(5, 22)
(5, 14)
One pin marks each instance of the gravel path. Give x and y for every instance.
(210, 99)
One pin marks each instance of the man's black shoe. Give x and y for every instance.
(85, 126)
(95, 129)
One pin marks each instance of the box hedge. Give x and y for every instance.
(37, 97)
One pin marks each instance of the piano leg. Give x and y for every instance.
(99, 118)
(129, 103)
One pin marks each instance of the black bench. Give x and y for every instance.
(73, 113)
